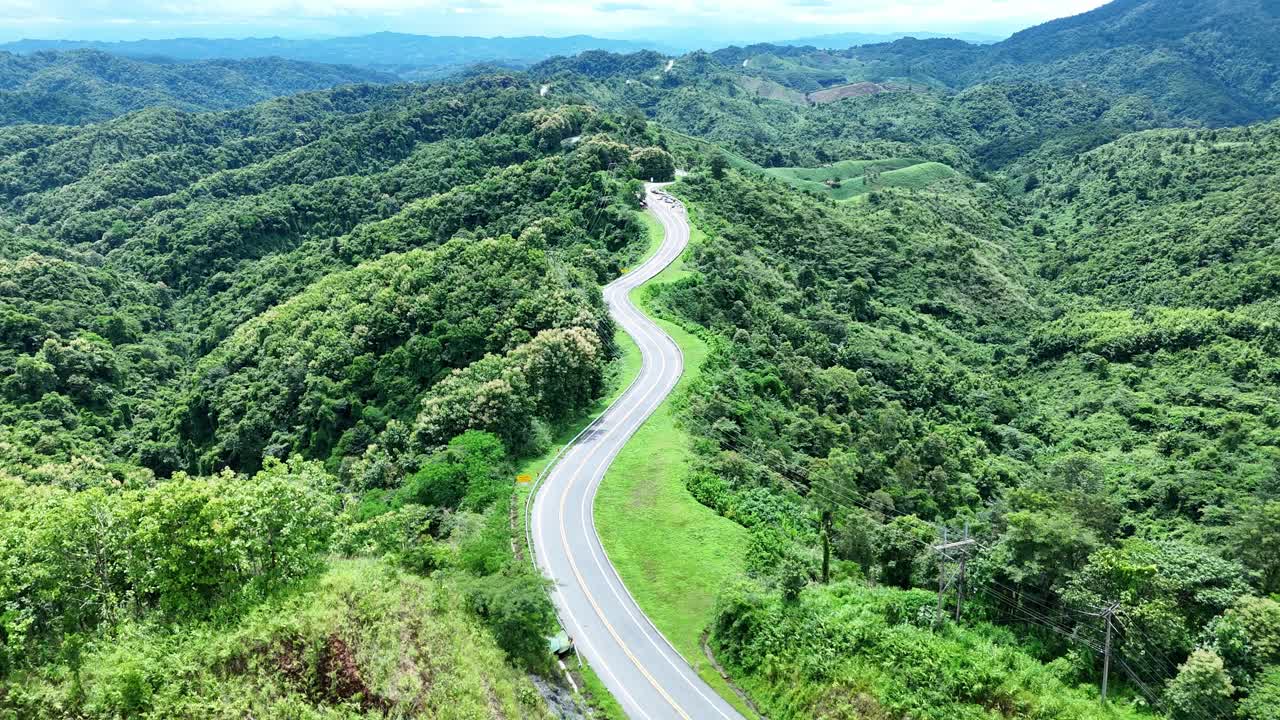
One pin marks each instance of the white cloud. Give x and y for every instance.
(774, 19)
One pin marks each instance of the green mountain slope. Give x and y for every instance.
(1210, 60)
(88, 86)
(712, 96)
(1085, 373)
(1206, 61)
(851, 178)
(238, 346)
(266, 374)
(1197, 61)
(1166, 218)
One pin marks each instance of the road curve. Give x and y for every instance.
(642, 670)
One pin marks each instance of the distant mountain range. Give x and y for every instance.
(84, 86)
(408, 56)
(1214, 61)
(1209, 61)
(840, 41)
(416, 57)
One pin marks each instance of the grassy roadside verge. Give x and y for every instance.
(672, 552)
(622, 371)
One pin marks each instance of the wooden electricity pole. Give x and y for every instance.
(826, 546)
(950, 553)
(1107, 614)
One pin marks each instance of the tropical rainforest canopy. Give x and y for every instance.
(268, 368)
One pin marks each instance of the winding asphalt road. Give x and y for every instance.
(642, 670)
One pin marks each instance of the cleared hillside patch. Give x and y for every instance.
(840, 92)
(771, 90)
(850, 178)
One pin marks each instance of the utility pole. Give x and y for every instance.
(942, 578)
(953, 553)
(603, 201)
(964, 558)
(1107, 614)
(826, 546)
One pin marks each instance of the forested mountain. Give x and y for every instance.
(86, 86)
(410, 56)
(1086, 374)
(1208, 62)
(240, 347)
(1211, 61)
(267, 373)
(752, 100)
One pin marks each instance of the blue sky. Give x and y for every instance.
(651, 19)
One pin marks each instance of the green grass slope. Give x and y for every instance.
(849, 178)
(673, 553)
(363, 639)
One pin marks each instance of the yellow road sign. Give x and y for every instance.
(524, 479)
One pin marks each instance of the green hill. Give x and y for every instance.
(267, 372)
(918, 359)
(755, 113)
(84, 86)
(1215, 61)
(1207, 61)
(1194, 61)
(850, 178)
(238, 347)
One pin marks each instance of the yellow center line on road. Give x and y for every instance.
(564, 539)
(582, 583)
(645, 331)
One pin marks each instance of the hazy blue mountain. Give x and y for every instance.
(410, 56)
(838, 41)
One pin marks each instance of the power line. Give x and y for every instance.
(802, 484)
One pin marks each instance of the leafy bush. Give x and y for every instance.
(78, 560)
(1202, 688)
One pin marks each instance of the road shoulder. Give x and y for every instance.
(672, 552)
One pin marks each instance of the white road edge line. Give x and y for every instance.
(646, 326)
(644, 330)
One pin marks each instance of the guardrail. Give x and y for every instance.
(555, 460)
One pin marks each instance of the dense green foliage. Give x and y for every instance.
(239, 345)
(241, 218)
(1215, 61)
(1168, 218)
(76, 558)
(1086, 372)
(363, 639)
(264, 372)
(88, 86)
(713, 96)
(846, 651)
(1207, 61)
(1064, 87)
